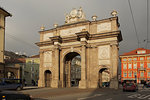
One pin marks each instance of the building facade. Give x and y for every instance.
(96, 42)
(3, 15)
(31, 70)
(135, 65)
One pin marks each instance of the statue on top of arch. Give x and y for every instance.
(75, 16)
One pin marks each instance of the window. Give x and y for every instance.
(148, 65)
(148, 74)
(129, 66)
(129, 74)
(32, 61)
(135, 74)
(124, 66)
(141, 52)
(130, 59)
(142, 74)
(124, 74)
(124, 59)
(141, 58)
(135, 65)
(148, 58)
(141, 65)
(134, 59)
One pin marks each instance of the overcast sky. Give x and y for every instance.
(28, 16)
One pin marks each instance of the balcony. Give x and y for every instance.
(141, 69)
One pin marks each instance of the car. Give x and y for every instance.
(10, 84)
(15, 96)
(130, 87)
(148, 85)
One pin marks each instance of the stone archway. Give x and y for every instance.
(72, 69)
(103, 77)
(48, 78)
(92, 40)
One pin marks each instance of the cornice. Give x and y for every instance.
(80, 23)
(121, 56)
(78, 36)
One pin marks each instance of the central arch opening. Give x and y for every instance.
(72, 69)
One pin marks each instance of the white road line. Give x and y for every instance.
(144, 90)
(140, 96)
(96, 95)
(134, 95)
(109, 99)
(143, 96)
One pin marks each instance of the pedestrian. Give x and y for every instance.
(143, 86)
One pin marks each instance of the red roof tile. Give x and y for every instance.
(134, 52)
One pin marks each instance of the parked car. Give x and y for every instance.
(10, 84)
(148, 85)
(130, 87)
(15, 96)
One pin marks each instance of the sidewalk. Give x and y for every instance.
(30, 87)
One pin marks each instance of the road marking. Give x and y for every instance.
(143, 96)
(140, 96)
(109, 99)
(145, 90)
(134, 95)
(96, 95)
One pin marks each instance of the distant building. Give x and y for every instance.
(13, 67)
(135, 65)
(31, 70)
(3, 15)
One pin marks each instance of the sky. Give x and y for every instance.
(29, 15)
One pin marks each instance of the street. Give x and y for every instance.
(83, 94)
(88, 94)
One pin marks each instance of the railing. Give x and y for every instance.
(142, 69)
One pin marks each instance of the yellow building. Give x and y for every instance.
(3, 15)
(31, 70)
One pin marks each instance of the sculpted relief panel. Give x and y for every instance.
(46, 36)
(104, 55)
(47, 59)
(104, 27)
(71, 31)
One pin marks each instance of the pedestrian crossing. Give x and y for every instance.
(145, 89)
(139, 96)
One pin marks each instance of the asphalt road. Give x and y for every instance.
(82, 94)
(107, 94)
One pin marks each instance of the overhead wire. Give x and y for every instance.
(147, 24)
(21, 41)
(133, 22)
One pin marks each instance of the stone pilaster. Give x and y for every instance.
(83, 82)
(83, 36)
(55, 80)
(114, 67)
(41, 81)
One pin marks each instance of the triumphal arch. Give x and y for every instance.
(93, 43)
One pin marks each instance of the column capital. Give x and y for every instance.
(56, 39)
(83, 36)
(114, 44)
(57, 46)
